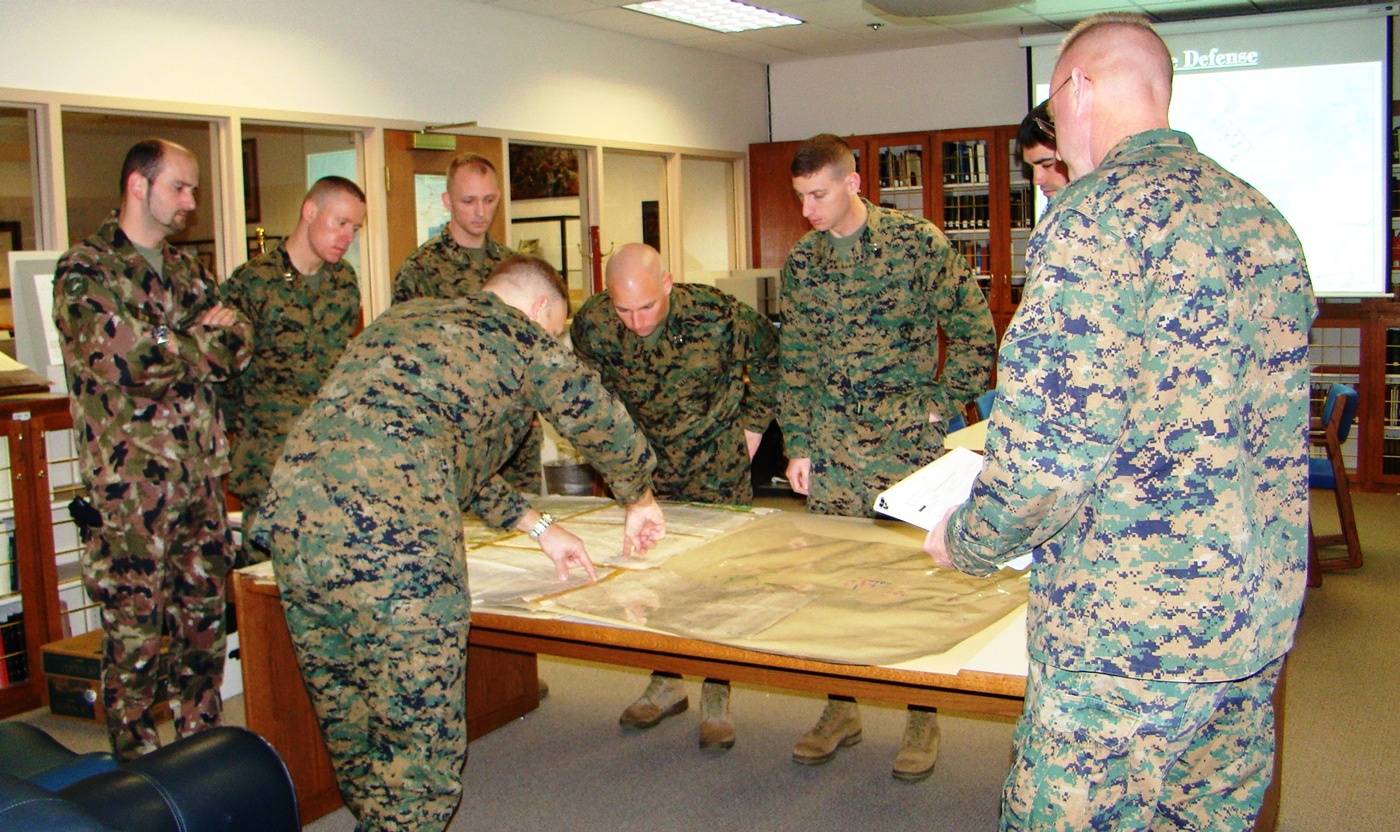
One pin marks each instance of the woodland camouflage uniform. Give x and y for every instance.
(363, 520)
(707, 373)
(441, 268)
(301, 324)
(141, 371)
(1149, 446)
(860, 353)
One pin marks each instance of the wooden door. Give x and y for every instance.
(777, 215)
(404, 162)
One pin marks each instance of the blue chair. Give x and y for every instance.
(1329, 473)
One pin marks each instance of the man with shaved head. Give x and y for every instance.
(1149, 446)
(698, 371)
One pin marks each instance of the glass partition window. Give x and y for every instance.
(280, 163)
(707, 219)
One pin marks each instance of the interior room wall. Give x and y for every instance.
(629, 179)
(436, 61)
(934, 88)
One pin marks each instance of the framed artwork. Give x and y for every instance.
(252, 203)
(539, 172)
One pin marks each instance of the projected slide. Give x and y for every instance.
(1309, 138)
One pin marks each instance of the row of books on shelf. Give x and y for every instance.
(14, 666)
(963, 212)
(977, 253)
(964, 162)
(901, 168)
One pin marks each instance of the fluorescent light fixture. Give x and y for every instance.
(716, 15)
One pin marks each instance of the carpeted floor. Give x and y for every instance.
(569, 766)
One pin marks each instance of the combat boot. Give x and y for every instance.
(664, 696)
(838, 727)
(716, 726)
(919, 751)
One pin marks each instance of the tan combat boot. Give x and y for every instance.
(716, 726)
(664, 696)
(919, 751)
(838, 727)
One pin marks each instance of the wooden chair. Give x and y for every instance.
(1329, 473)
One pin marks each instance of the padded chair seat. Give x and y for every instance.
(30, 754)
(1320, 474)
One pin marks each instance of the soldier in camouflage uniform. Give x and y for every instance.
(1149, 446)
(456, 262)
(363, 521)
(144, 340)
(698, 371)
(862, 403)
(304, 303)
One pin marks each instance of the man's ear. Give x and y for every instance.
(138, 185)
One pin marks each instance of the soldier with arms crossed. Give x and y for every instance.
(144, 342)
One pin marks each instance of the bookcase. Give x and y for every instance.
(969, 182)
(38, 476)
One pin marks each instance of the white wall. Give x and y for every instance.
(935, 88)
(436, 61)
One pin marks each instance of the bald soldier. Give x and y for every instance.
(1149, 446)
(144, 341)
(698, 371)
(363, 520)
(303, 300)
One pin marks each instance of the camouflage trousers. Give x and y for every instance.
(159, 564)
(387, 679)
(1099, 752)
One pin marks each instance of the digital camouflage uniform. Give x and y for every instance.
(441, 268)
(860, 355)
(151, 445)
(301, 324)
(1149, 445)
(363, 522)
(705, 375)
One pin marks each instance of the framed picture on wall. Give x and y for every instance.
(252, 204)
(540, 172)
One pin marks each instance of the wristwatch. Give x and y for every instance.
(162, 334)
(543, 523)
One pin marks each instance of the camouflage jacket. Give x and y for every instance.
(707, 374)
(860, 334)
(301, 324)
(141, 368)
(424, 408)
(1149, 443)
(441, 268)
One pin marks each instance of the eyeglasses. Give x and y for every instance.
(1048, 125)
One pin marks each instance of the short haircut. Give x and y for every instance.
(823, 151)
(1031, 133)
(146, 157)
(528, 273)
(472, 161)
(327, 185)
(1129, 20)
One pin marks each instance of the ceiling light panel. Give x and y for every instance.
(716, 15)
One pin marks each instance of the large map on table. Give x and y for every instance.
(836, 589)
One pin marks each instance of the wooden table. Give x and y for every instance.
(503, 649)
